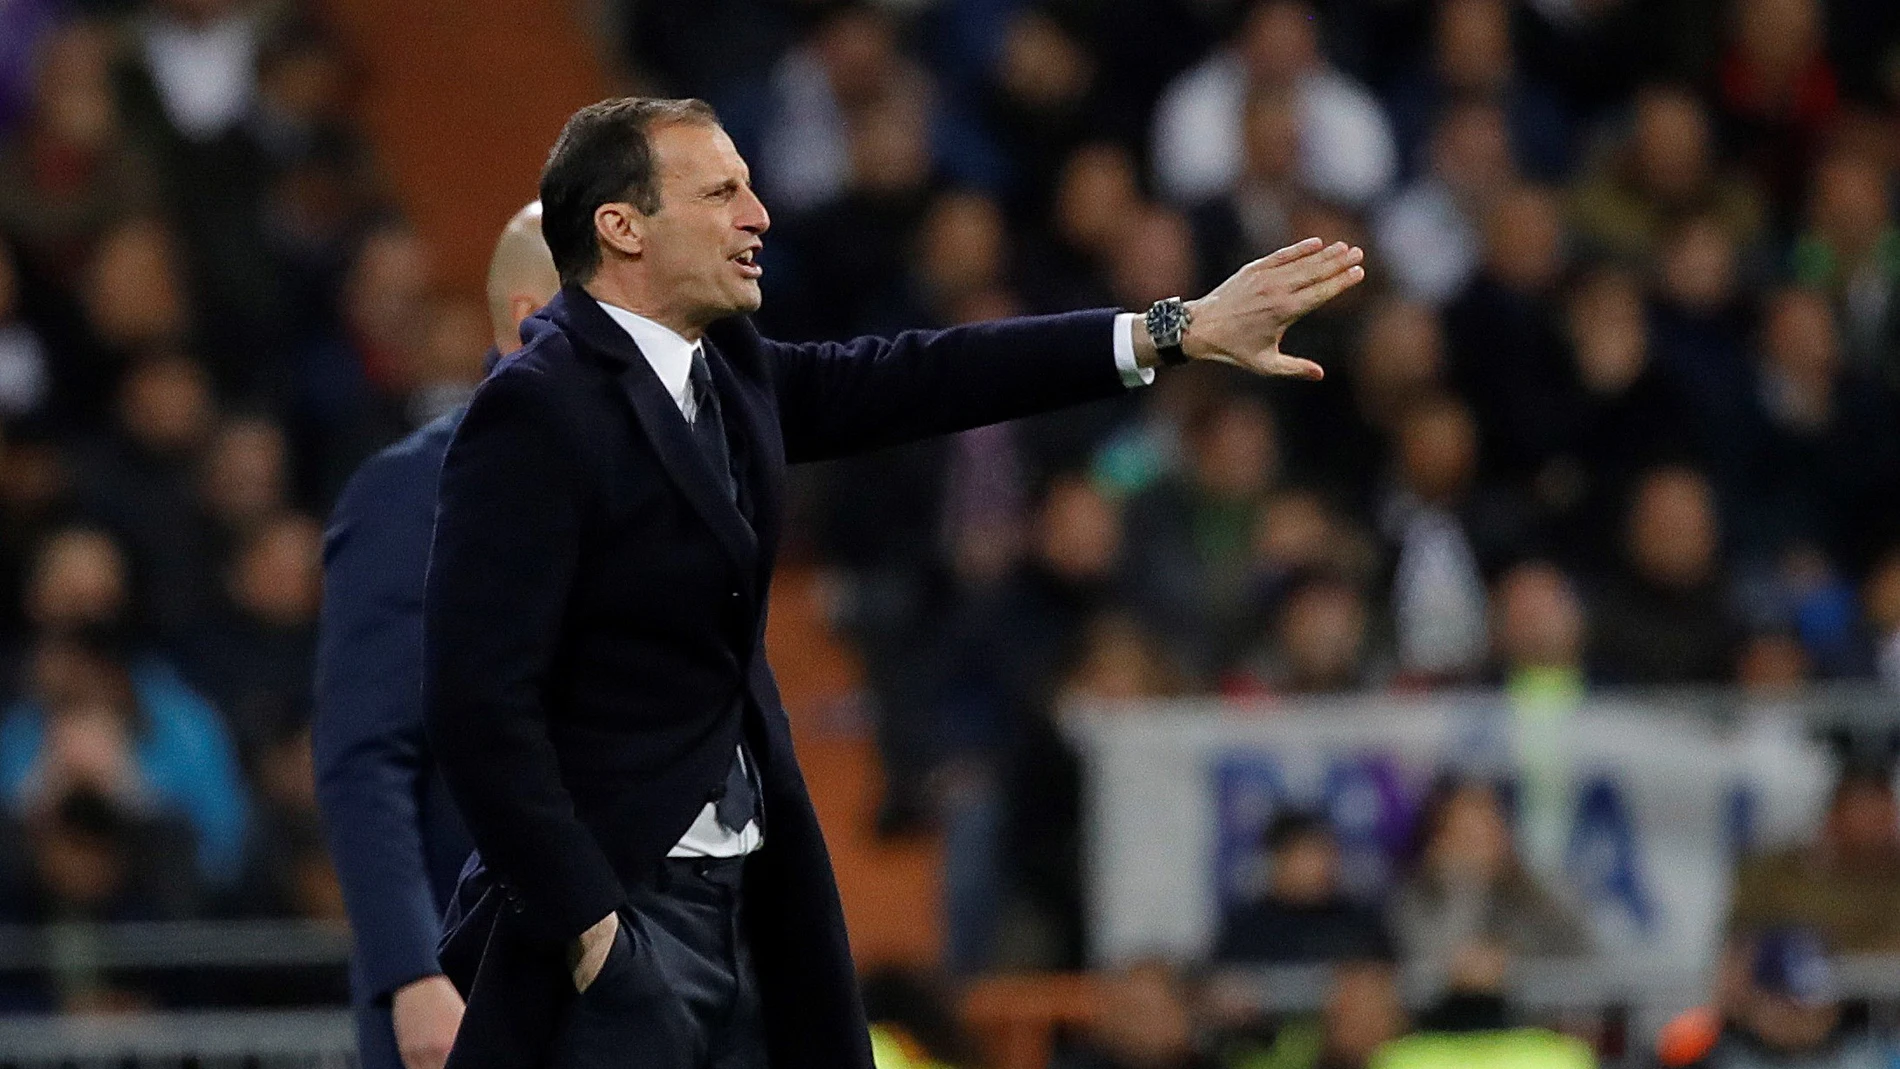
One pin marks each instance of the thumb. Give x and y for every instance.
(1296, 367)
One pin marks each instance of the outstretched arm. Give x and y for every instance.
(838, 398)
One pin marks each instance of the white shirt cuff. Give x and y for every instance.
(1133, 374)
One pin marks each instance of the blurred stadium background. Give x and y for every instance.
(1529, 682)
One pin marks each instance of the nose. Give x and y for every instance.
(753, 218)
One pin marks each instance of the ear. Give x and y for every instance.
(620, 228)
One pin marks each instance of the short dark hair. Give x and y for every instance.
(602, 156)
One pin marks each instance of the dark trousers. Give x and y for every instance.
(678, 990)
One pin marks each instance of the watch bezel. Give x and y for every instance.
(1167, 321)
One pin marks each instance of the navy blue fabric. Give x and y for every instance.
(394, 834)
(594, 629)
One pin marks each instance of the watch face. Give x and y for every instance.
(1166, 321)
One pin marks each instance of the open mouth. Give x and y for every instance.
(748, 265)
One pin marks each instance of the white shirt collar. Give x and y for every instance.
(670, 354)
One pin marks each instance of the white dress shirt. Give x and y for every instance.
(671, 357)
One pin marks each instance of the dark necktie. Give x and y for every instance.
(737, 800)
(709, 428)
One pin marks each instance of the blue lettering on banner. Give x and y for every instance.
(1603, 860)
(1249, 790)
(1743, 807)
(1365, 801)
(1362, 795)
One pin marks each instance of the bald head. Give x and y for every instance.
(521, 276)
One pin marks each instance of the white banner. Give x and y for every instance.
(1633, 812)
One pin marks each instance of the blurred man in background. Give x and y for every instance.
(1788, 1015)
(393, 830)
(1845, 885)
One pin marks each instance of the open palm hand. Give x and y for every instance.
(1242, 321)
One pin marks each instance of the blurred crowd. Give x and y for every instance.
(210, 313)
(1616, 406)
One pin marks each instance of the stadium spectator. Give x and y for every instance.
(132, 292)
(1320, 642)
(78, 579)
(1850, 250)
(128, 729)
(1845, 884)
(138, 481)
(1362, 1014)
(87, 855)
(1006, 801)
(856, 243)
(69, 174)
(1096, 193)
(1624, 417)
(344, 388)
(1700, 320)
(1298, 535)
(1431, 232)
(1143, 1019)
(201, 56)
(1443, 532)
(1777, 93)
(964, 253)
(1881, 597)
(1471, 58)
(1665, 615)
(1539, 635)
(254, 653)
(1468, 899)
(1830, 456)
(288, 871)
(1253, 215)
(1199, 136)
(1190, 534)
(848, 75)
(1040, 104)
(1506, 335)
(1399, 357)
(1119, 662)
(1305, 916)
(244, 478)
(1790, 1013)
(1473, 1023)
(25, 376)
(1664, 171)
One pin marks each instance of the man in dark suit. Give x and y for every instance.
(652, 888)
(394, 835)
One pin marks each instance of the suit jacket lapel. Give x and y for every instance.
(659, 417)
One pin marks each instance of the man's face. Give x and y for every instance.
(700, 246)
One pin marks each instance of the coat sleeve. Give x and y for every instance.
(839, 398)
(507, 541)
(371, 759)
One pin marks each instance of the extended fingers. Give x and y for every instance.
(1327, 288)
(1335, 259)
(1297, 251)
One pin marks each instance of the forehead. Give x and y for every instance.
(695, 152)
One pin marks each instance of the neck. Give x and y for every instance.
(635, 296)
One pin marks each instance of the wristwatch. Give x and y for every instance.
(1167, 320)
